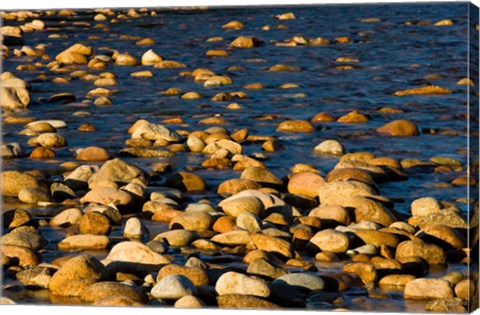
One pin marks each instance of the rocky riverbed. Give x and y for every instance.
(310, 157)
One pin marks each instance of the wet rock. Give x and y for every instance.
(433, 254)
(372, 211)
(300, 281)
(294, 126)
(75, 275)
(365, 271)
(377, 238)
(265, 268)
(173, 287)
(192, 221)
(126, 60)
(425, 206)
(446, 217)
(323, 117)
(399, 128)
(241, 301)
(117, 301)
(25, 256)
(84, 242)
(25, 237)
(185, 181)
(197, 276)
(11, 150)
(245, 42)
(305, 183)
(231, 146)
(33, 195)
(465, 289)
(261, 176)
(445, 306)
(14, 181)
(135, 252)
(236, 283)
(224, 224)
(66, 218)
(195, 144)
(443, 236)
(75, 54)
(336, 193)
(233, 25)
(235, 205)
(428, 289)
(232, 238)
(107, 195)
(330, 241)
(189, 301)
(332, 215)
(42, 153)
(108, 289)
(430, 90)
(286, 16)
(135, 229)
(118, 171)
(14, 218)
(50, 140)
(95, 223)
(249, 221)
(332, 147)
(177, 238)
(150, 58)
(155, 132)
(353, 117)
(396, 280)
(273, 244)
(37, 277)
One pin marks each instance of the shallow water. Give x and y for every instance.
(386, 50)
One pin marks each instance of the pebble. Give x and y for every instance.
(173, 287)
(236, 283)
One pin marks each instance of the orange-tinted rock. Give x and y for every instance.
(42, 153)
(399, 128)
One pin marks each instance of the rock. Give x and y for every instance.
(428, 289)
(150, 58)
(300, 281)
(55, 123)
(332, 147)
(372, 211)
(185, 181)
(195, 144)
(236, 185)
(126, 60)
(75, 275)
(305, 183)
(50, 140)
(445, 217)
(197, 276)
(224, 224)
(118, 171)
(14, 92)
(66, 218)
(13, 181)
(241, 301)
(233, 25)
(107, 195)
(92, 154)
(155, 132)
(353, 117)
(286, 16)
(433, 254)
(245, 42)
(330, 241)
(294, 126)
(335, 193)
(135, 252)
(33, 195)
(273, 244)
(444, 236)
(42, 153)
(332, 215)
(377, 238)
(350, 174)
(235, 205)
(27, 258)
(117, 301)
(445, 306)
(95, 223)
(37, 277)
(232, 238)
(399, 128)
(12, 219)
(177, 238)
(192, 221)
(231, 146)
(425, 206)
(427, 90)
(365, 271)
(173, 287)
(265, 268)
(249, 221)
(135, 229)
(11, 150)
(84, 242)
(108, 289)
(189, 301)
(236, 283)
(261, 176)
(465, 289)
(396, 280)
(75, 54)
(25, 237)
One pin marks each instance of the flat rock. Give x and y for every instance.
(261, 176)
(13, 181)
(428, 289)
(84, 242)
(135, 252)
(273, 244)
(33, 195)
(107, 289)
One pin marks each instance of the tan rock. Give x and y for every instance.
(399, 128)
(430, 89)
(427, 289)
(305, 183)
(294, 126)
(330, 241)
